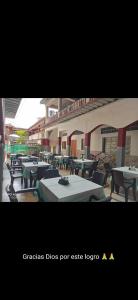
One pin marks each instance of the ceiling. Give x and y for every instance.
(11, 106)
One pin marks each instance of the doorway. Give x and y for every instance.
(74, 148)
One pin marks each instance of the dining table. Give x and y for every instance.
(32, 166)
(83, 162)
(27, 158)
(129, 173)
(78, 190)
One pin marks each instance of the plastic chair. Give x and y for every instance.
(118, 180)
(98, 178)
(96, 199)
(12, 194)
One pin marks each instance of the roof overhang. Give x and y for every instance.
(11, 107)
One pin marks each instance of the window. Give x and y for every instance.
(110, 145)
(64, 145)
(82, 144)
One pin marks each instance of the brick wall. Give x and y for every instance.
(131, 160)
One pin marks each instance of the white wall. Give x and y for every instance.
(96, 140)
(134, 142)
(118, 114)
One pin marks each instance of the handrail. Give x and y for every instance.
(71, 108)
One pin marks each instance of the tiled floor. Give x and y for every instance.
(32, 198)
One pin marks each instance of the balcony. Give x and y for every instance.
(79, 107)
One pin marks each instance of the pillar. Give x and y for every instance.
(120, 157)
(1, 144)
(47, 110)
(46, 142)
(59, 145)
(87, 144)
(60, 102)
(68, 145)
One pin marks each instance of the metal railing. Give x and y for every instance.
(82, 102)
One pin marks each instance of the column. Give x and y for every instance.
(120, 157)
(59, 145)
(46, 142)
(47, 110)
(87, 144)
(69, 145)
(59, 105)
(1, 144)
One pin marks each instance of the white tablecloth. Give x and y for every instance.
(27, 158)
(84, 162)
(61, 156)
(129, 174)
(79, 190)
(28, 166)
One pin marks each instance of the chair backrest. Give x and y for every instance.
(94, 165)
(41, 172)
(98, 178)
(11, 193)
(118, 178)
(93, 168)
(95, 199)
(8, 166)
(107, 167)
(19, 155)
(51, 173)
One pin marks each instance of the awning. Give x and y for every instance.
(11, 106)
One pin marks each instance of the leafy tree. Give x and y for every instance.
(23, 136)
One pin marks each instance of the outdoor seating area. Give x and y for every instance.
(36, 179)
(75, 150)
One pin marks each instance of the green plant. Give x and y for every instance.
(23, 136)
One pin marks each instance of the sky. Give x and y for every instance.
(29, 112)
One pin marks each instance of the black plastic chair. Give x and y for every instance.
(14, 175)
(118, 180)
(96, 199)
(74, 169)
(37, 175)
(14, 168)
(98, 178)
(51, 173)
(12, 194)
(91, 169)
(108, 170)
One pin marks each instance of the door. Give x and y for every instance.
(73, 148)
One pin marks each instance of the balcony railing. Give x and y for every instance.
(71, 108)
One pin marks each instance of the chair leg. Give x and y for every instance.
(105, 179)
(12, 181)
(26, 183)
(35, 182)
(31, 182)
(126, 195)
(134, 192)
(112, 186)
(83, 173)
(22, 181)
(117, 188)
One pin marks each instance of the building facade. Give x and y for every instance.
(91, 126)
(37, 133)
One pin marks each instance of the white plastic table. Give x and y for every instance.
(129, 174)
(83, 162)
(79, 190)
(28, 166)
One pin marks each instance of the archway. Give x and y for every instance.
(72, 145)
